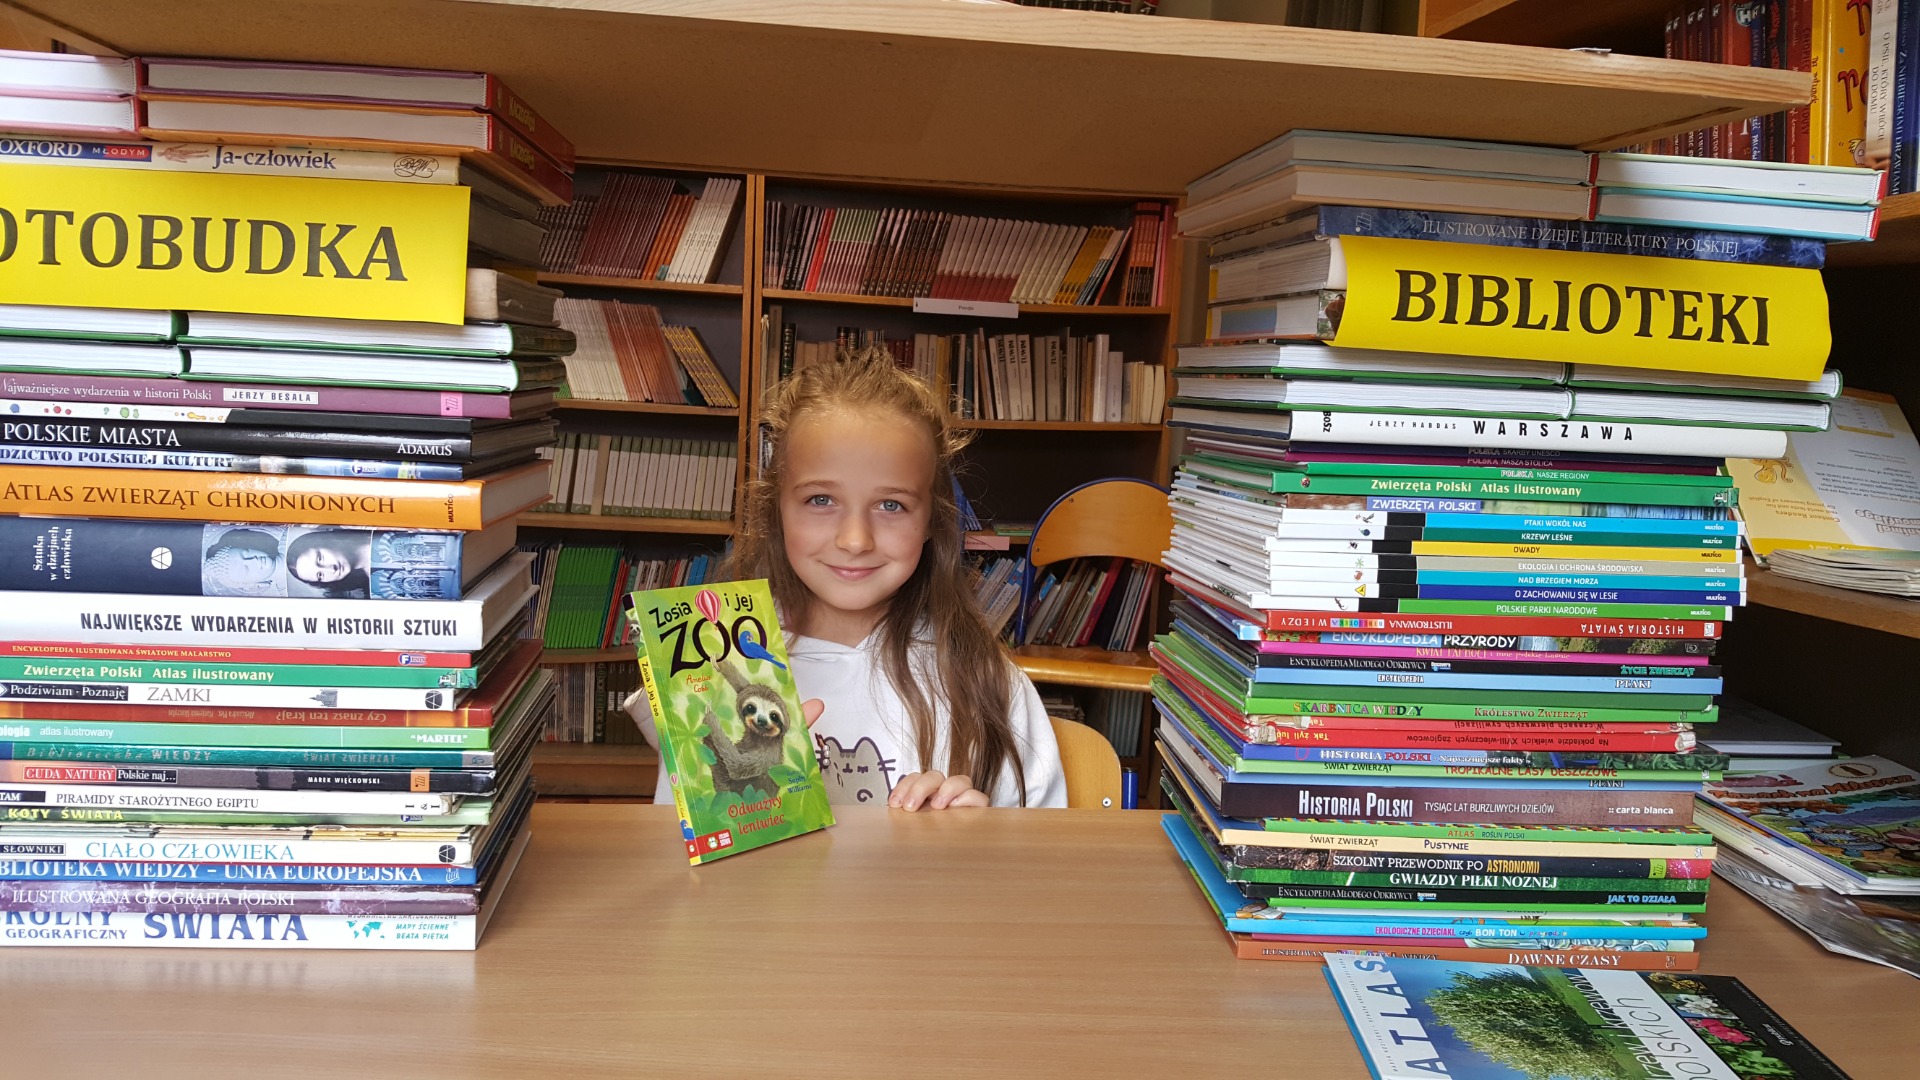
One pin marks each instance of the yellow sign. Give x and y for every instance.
(1578, 307)
(265, 245)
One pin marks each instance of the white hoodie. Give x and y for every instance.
(864, 739)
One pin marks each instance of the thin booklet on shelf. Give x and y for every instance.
(732, 737)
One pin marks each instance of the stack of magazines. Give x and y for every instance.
(1890, 573)
(1833, 847)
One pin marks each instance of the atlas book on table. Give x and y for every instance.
(732, 738)
(1423, 1018)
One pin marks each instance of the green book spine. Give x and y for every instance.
(1428, 880)
(62, 671)
(478, 814)
(1487, 472)
(1722, 494)
(289, 735)
(1594, 834)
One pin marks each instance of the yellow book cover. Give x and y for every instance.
(1583, 308)
(275, 499)
(1839, 111)
(1855, 485)
(264, 245)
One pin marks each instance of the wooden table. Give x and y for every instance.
(988, 943)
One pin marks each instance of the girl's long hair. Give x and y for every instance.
(974, 674)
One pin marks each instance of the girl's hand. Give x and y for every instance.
(935, 791)
(810, 710)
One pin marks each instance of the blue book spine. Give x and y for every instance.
(191, 558)
(1901, 170)
(19, 454)
(1662, 526)
(1579, 581)
(1582, 596)
(1608, 238)
(233, 873)
(1454, 680)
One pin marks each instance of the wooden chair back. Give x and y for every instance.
(1091, 766)
(1124, 517)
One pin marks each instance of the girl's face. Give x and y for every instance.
(856, 497)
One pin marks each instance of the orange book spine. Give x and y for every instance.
(236, 496)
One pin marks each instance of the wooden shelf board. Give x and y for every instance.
(1086, 666)
(653, 407)
(642, 284)
(1054, 425)
(797, 295)
(1634, 25)
(1897, 242)
(904, 101)
(610, 523)
(603, 769)
(587, 656)
(1890, 614)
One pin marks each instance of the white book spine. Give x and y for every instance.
(1495, 433)
(237, 801)
(257, 622)
(254, 930)
(408, 168)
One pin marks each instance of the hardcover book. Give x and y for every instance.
(732, 738)
(1424, 1018)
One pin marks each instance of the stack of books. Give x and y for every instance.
(266, 682)
(1831, 846)
(1449, 590)
(638, 226)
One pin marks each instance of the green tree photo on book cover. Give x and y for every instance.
(732, 738)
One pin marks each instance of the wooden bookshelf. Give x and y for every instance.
(1898, 242)
(1888, 614)
(859, 300)
(587, 656)
(1630, 26)
(606, 770)
(615, 523)
(656, 408)
(1104, 427)
(911, 78)
(640, 284)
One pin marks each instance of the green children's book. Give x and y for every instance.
(732, 739)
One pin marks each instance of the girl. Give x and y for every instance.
(854, 524)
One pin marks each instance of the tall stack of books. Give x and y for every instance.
(264, 671)
(1449, 589)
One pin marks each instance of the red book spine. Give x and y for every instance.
(515, 160)
(512, 108)
(218, 654)
(819, 260)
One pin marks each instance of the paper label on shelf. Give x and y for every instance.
(979, 309)
(265, 245)
(1856, 485)
(1584, 308)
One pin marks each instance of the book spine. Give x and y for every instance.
(188, 559)
(1326, 882)
(1481, 487)
(1467, 623)
(1906, 105)
(513, 159)
(1363, 898)
(78, 872)
(1478, 757)
(228, 438)
(118, 693)
(1343, 841)
(514, 110)
(245, 931)
(1506, 434)
(15, 669)
(196, 496)
(184, 847)
(1632, 667)
(258, 757)
(1373, 868)
(669, 762)
(1396, 802)
(264, 621)
(225, 800)
(1599, 237)
(251, 777)
(100, 897)
(113, 730)
(1260, 947)
(136, 391)
(160, 654)
(84, 457)
(326, 162)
